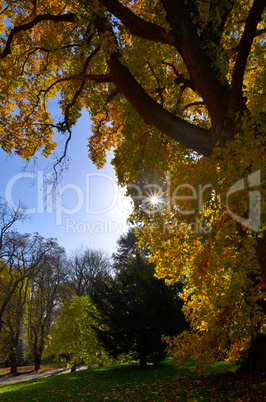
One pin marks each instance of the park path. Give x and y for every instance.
(33, 376)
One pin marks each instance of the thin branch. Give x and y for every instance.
(25, 27)
(193, 104)
(80, 76)
(160, 91)
(158, 151)
(66, 122)
(43, 49)
(71, 104)
(5, 9)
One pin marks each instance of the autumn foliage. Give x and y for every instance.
(176, 89)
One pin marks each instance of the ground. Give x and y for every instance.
(131, 383)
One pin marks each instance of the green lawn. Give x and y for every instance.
(132, 383)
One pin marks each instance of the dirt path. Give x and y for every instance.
(33, 376)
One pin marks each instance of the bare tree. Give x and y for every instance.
(86, 267)
(8, 217)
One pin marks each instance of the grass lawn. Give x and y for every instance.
(132, 383)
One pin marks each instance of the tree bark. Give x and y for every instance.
(37, 352)
(73, 368)
(13, 362)
(37, 361)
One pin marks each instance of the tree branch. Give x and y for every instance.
(198, 65)
(244, 50)
(83, 76)
(187, 134)
(192, 104)
(138, 26)
(31, 24)
(159, 88)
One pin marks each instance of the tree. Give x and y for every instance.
(31, 270)
(136, 307)
(73, 334)
(22, 257)
(8, 217)
(127, 248)
(14, 316)
(86, 267)
(42, 302)
(12, 319)
(175, 86)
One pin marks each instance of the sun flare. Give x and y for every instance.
(154, 200)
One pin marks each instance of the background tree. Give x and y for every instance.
(85, 267)
(136, 307)
(8, 217)
(43, 298)
(168, 84)
(22, 258)
(73, 336)
(31, 271)
(14, 318)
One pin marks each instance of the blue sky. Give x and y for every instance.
(91, 211)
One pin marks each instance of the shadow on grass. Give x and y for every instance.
(161, 382)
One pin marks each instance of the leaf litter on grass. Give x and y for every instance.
(132, 384)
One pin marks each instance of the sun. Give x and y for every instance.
(154, 200)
